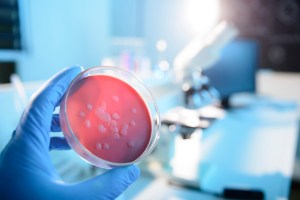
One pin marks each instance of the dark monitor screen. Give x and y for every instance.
(274, 23)
(6, 70)
(236, 69)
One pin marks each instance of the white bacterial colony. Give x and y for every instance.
(101, 128)
(132, 123)
(130, 143)
(133, 110)
(115, 116)
(81, 114)
(89, 106)
(115, 99)
(87, 123)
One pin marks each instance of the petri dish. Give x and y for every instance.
(109, 117)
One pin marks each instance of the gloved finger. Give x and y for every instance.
(55, 124)
(58, 143)
(58, 103)
(37, 117)
(108, 185)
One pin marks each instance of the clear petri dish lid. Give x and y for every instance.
(109, 117)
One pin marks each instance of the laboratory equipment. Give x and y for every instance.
(200, 54)
(235, 72)
(109, 117)
(274, 24)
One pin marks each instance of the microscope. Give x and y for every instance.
(184, 124)
(199, 54)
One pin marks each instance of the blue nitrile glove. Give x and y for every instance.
(26, 171)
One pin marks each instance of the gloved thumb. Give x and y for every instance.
(108, 185)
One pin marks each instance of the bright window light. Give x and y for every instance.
(201, 15)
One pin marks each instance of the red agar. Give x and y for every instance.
(109, 118)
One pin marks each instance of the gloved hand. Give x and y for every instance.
(26, 171)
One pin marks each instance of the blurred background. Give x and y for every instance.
(214, 61)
